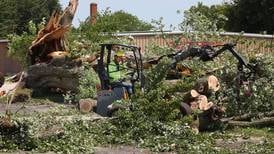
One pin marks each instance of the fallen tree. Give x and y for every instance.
(47, 76)
(262, 119)
(268, 121)
(50, 65)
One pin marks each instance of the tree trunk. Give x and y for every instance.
(252, 115)
(269, 121)
(51, 38)
(48, 55)
(49, 76)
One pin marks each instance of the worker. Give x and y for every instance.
(117, 71)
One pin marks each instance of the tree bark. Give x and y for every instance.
(252, 115)
(69, 13)
(49, 76)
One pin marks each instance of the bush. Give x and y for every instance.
(87, 85)
(19, 44)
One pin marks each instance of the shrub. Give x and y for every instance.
(87, 85)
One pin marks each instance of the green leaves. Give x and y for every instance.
(15, 15)
(87, 86)
(19, 44)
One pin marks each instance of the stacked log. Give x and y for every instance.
(207, 85)
(197, 100)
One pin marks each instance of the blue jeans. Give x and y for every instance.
(127, 85)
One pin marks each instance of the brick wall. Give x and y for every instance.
(7, 64)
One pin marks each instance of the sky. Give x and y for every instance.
(145, 10)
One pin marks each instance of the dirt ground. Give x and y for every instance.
(239, 140)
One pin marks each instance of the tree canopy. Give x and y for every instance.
(109, 22)
(118, 21)
(254, 16)
(215, 15)
(123, 21)
(15, 14)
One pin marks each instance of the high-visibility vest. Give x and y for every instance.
(116, 71)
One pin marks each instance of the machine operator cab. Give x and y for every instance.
(119, 68)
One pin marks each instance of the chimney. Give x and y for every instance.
(93, 13)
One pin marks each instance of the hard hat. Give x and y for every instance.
(120, 53)
(131, 38)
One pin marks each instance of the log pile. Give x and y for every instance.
(196, 100)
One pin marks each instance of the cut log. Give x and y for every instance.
(194, 105)
(203, 103)
(207, 85)
(87, 105)
(190, 96)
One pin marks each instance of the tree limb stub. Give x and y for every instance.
(69, 12)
